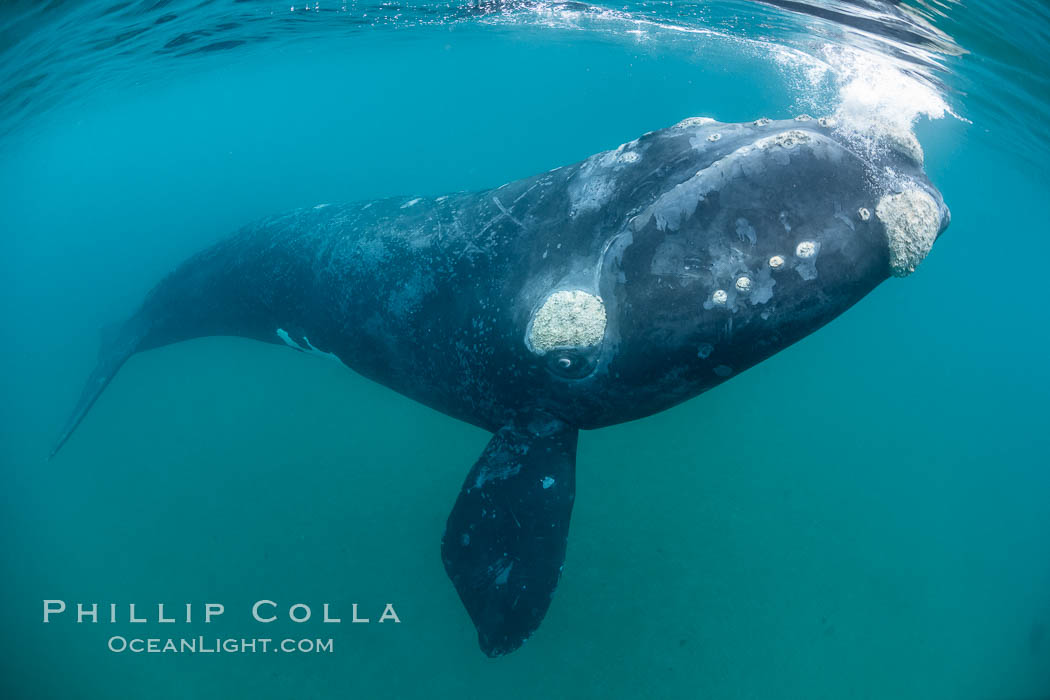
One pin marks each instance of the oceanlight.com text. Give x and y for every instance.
(217, 645)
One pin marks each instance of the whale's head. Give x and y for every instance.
(736, 241)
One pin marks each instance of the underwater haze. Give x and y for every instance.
(864, 515)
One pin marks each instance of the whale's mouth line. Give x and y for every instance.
(603, 254)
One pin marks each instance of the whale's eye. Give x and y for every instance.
(569, 364)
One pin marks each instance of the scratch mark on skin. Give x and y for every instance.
(506, 213)
(520, 196)
(504, 574)
(493, 220)
(470, 251)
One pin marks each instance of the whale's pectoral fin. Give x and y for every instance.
(504, 544)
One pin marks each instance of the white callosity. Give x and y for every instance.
(904, 142)
(693, 122)
(785, 139)
(806, 249)
(568, 318)
(912, 220)
(806, 259)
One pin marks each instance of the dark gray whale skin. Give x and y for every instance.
(437, 298)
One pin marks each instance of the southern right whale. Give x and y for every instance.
(586, 296)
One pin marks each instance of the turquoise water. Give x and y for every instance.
(866, 514)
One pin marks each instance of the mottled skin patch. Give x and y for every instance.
(677, 233)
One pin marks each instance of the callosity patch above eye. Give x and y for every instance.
(567, 318)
